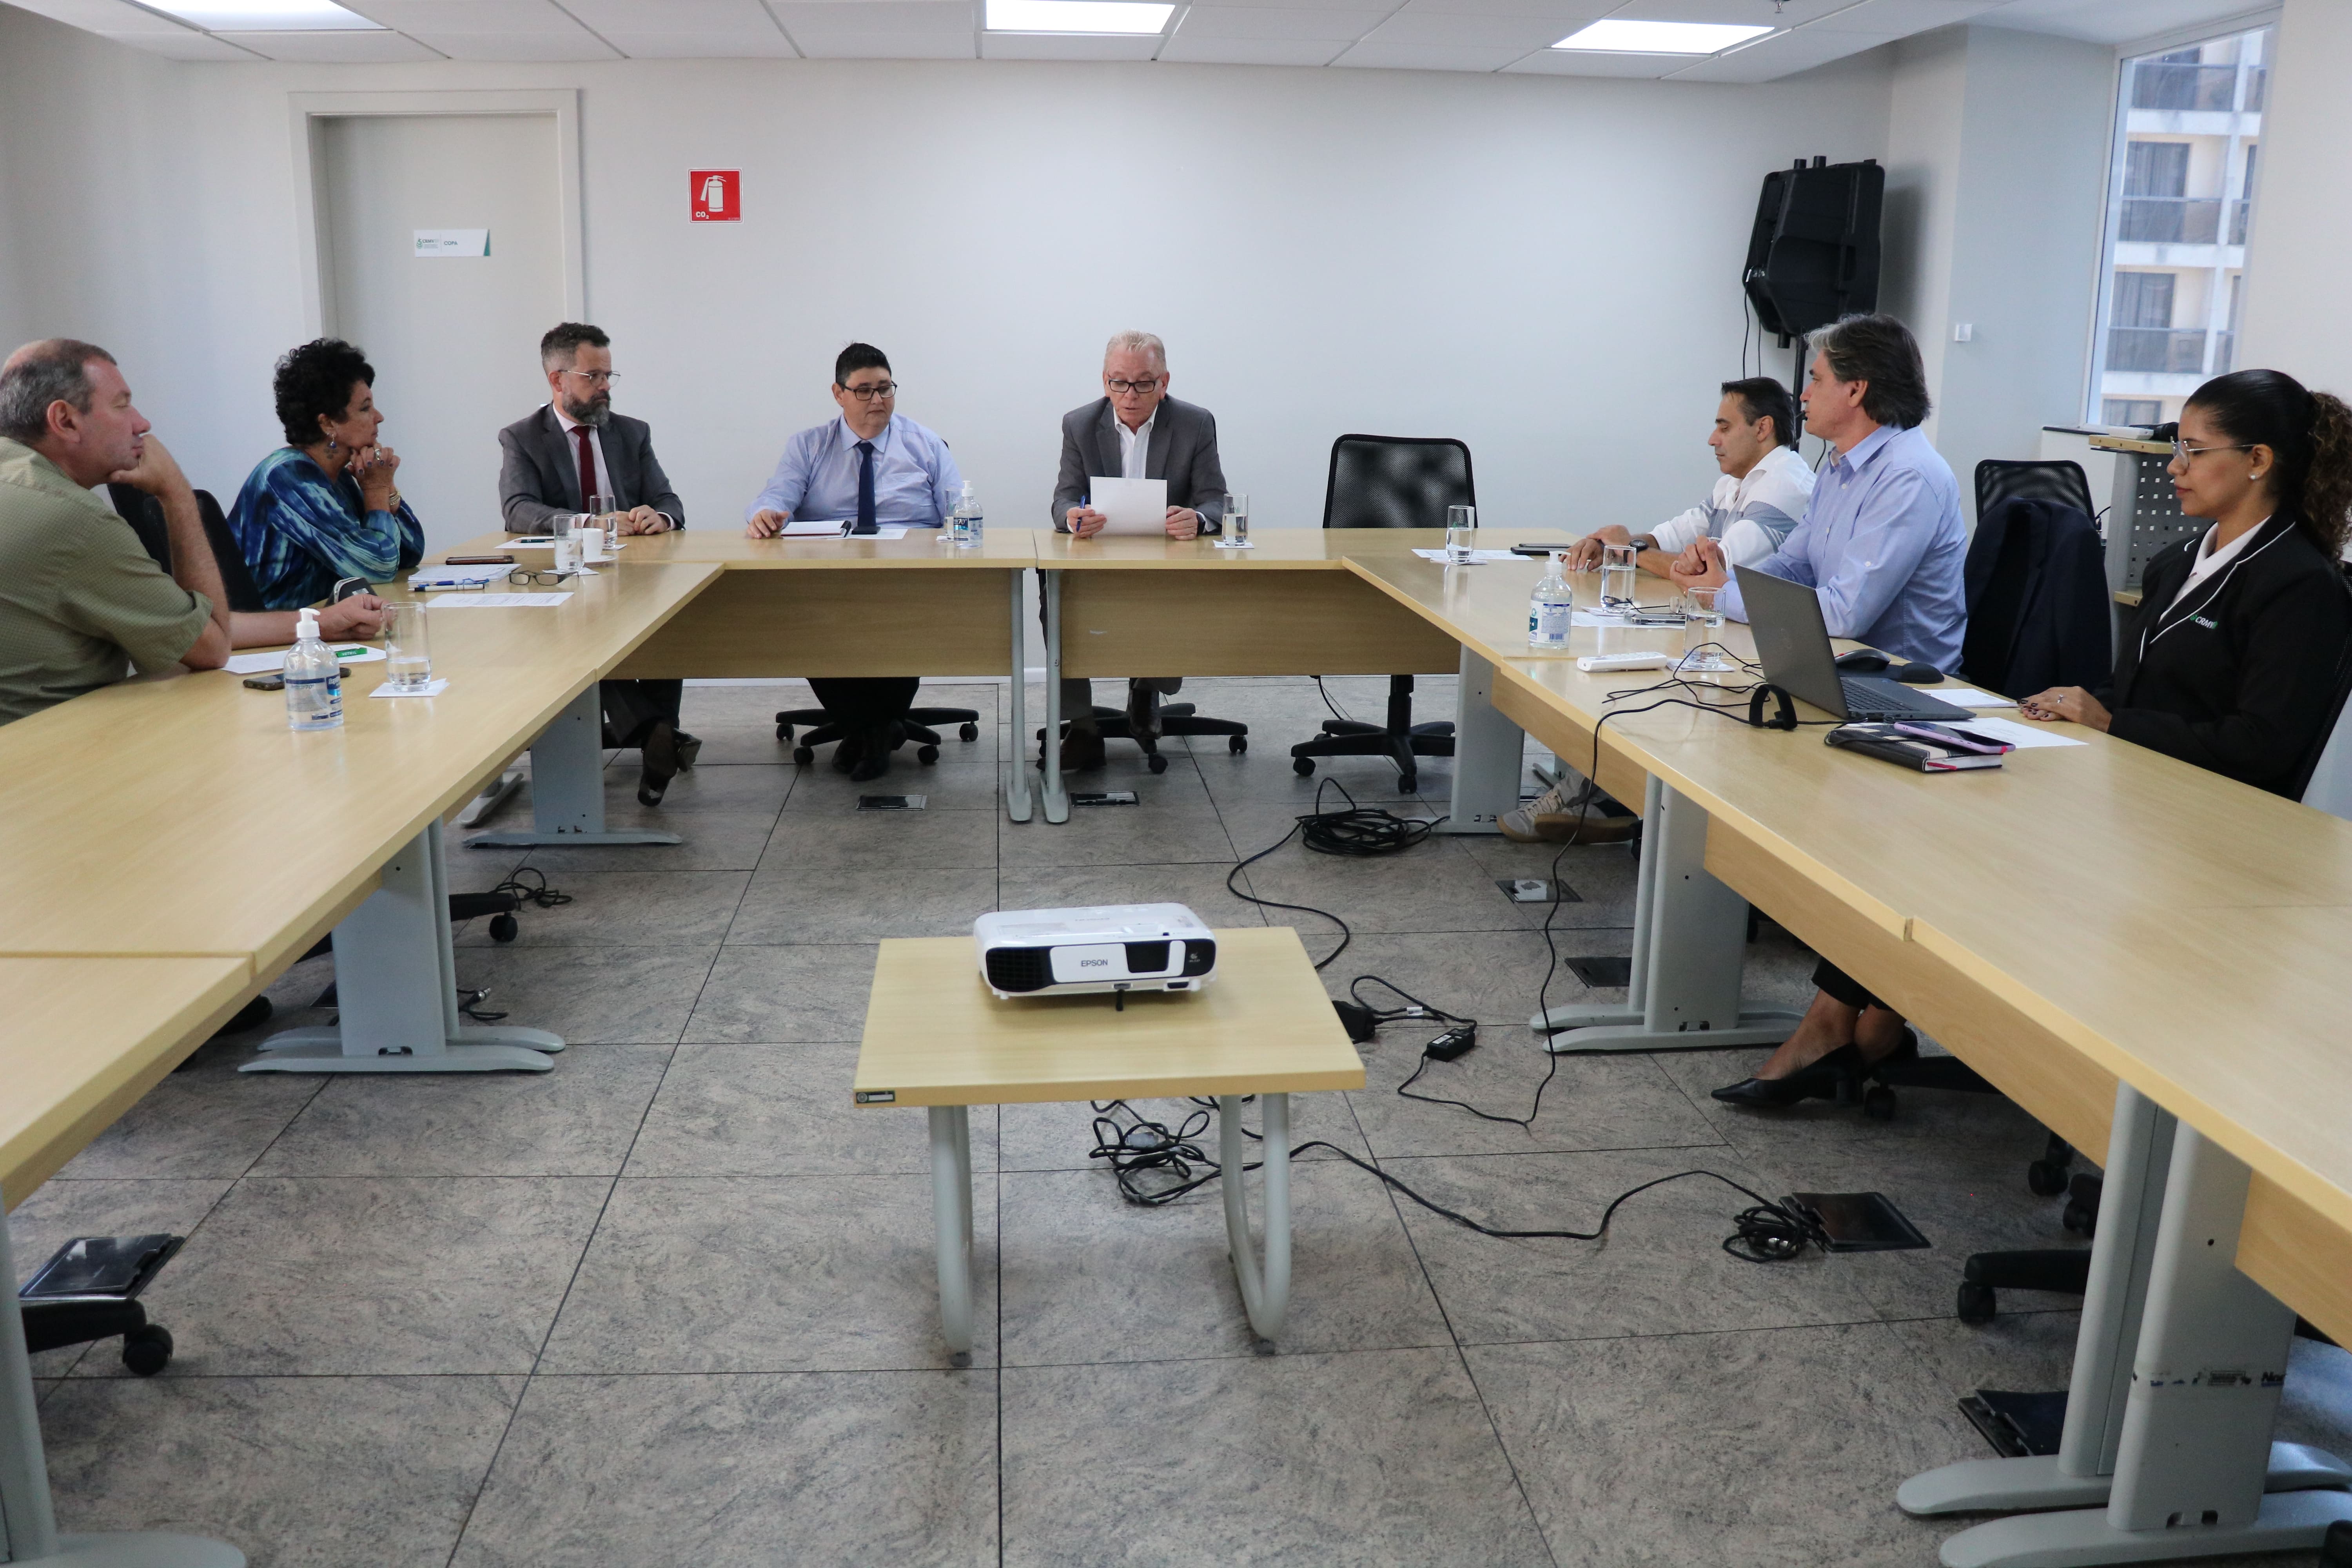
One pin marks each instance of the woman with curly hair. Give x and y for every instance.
(2232, 660)
(324, 506)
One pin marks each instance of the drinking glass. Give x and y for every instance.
(566, 528)
(1236, 519)
(1702, 625)
(1617, 578)
(410, 656)
(1461, 534)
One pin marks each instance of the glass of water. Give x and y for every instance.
(1236, 519)
(1461, 534)
(404, 644)
(1617, 578)
(566, 528)
(1703, 625)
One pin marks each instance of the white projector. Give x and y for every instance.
(1120, 947)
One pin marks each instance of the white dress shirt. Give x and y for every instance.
(2210, 560)
(1134, 446)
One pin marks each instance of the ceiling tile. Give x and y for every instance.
(876, 18)
(1264, 22)
(885, 46)
(1582, 62)
(710, 18)
(1427, 56)
(1516, 33)
(682, 45)
(1067, 46)
(2112, 21)
(1562, 11)
(1784, 55)
(1252, 51)
(111, 18)
(518, 48)
(340, 48)
(506, 18)
(186, 46)
(1899, 18)
(1749, 13)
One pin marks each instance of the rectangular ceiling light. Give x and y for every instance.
(1620, 35)
(1075, 16)
(266, 16)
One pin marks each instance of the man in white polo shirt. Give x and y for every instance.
(1761, 497)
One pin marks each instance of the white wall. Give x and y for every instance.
(2296, 254)
(1544, 267)
(1998, 144)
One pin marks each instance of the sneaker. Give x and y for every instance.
(1553, 818)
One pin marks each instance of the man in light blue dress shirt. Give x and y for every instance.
(1882, 541)
(869, 468)
(1883, 544)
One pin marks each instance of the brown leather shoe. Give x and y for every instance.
(1082, 748)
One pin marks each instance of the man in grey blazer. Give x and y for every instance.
(549, 464)
(1135, 430)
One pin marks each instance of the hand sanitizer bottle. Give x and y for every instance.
(314, 679)
(967, 520)
(1551, 609)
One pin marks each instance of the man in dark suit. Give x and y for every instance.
(549, 464)
(1136, 431)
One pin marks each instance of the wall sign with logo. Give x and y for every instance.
(715, 195)
(456, 242)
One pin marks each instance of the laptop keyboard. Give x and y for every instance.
(1868, 698)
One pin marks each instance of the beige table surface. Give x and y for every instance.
(81, 1039)
(935, 1035)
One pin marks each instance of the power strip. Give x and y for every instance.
(1609, 663)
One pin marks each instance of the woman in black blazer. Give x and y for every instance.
(2233, 660)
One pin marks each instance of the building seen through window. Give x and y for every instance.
(2188, 136)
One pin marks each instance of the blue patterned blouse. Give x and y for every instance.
(300, 531)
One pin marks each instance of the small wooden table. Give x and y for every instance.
(936, 1036)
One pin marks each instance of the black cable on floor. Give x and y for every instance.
(1357, 830)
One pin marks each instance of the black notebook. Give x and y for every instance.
(1927, 748)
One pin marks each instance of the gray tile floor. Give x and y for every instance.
(673, 1301)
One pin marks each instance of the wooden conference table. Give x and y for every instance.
(2082, 917)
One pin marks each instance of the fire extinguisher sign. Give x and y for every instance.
(715, 195)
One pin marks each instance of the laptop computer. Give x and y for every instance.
(1793, 644)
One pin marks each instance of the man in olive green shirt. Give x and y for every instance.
(80, 602)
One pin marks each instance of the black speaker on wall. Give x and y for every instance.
(1812, 256)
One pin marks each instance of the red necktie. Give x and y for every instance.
(587, 470)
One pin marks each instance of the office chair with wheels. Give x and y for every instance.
(89, 1290)
(818, 730)
(2000, 481)
(1391, 481)
(1174, 718)
(2324, 783)
(144, 513)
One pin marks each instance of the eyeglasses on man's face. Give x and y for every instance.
(596, 377)
(1143, 388)
(869, 394)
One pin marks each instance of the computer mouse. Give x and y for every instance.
(1919, 675)
(1863, 661)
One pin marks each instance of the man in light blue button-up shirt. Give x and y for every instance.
(1882, 541)
(1883, 544)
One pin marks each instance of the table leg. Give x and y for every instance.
(1690, 944)
(2193, 1451)
(1018, 801)
(396, 989)
(951, 1217)
(28, 1526)
(1489, 753)
(1265, 1293)
(567, 785)
(1057, 800)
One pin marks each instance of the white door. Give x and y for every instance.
(454, 340)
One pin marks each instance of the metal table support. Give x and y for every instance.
(567, 785)
(1057, 799)
(1489, 752)
(1019, 802)
(396, 989)
(951, 1217)
(28, 1524)
(1690, 944)
(1266, 1291)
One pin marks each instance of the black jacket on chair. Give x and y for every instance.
(2038, 605)
(539, 476)
(2239, 673)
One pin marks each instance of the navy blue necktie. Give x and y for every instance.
(866, 486)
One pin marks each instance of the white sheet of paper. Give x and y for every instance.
(812, 528)
(501, 601)
(1133, 506)
(430, 688)
(2024, 737)
(257, 663)
(1477, 557)
(1969, 697)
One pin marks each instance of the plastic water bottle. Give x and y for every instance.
(964, 522)
(1551, 609)
(314, 679)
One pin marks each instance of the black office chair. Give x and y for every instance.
(818, 730)
(144, 513)
(1391, 481)
(1998, 482)
(100, 1310)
